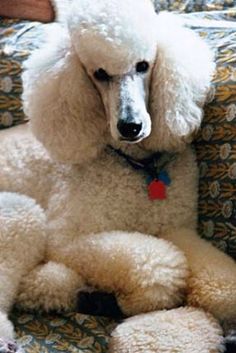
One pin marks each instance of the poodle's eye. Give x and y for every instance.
(101, 75)
(142, 66)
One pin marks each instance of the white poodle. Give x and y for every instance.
(115, 96)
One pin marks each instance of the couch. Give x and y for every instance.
(215, 146)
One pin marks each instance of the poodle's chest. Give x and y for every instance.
(111, 195)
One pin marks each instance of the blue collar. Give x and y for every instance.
(154, 167)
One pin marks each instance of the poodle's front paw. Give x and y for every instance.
(9, 346)
(230, 342)
(99, 304)
(181, 330)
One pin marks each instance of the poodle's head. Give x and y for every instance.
(116, 42)
(115, 70)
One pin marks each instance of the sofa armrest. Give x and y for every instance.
(40, 10)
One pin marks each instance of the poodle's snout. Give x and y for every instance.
(125, 100)
(128, 130)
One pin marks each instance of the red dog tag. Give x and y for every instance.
(157, 190)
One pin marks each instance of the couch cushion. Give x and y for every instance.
(70, 332)
(216, 152)
(216, 142)
(17, 39)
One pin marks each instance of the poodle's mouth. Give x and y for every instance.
(133, 140)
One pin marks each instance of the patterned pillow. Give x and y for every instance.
(216, 142)
(17, 39)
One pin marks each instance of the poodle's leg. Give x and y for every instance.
(51, 286)
(22, 246)
(181, 330)
(145, 273)
(212, 284)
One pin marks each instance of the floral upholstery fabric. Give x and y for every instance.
(216, 153)
(16, 42)
(70, 332)
(216, 142)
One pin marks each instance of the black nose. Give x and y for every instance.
(129, 130)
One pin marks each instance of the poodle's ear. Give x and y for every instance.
(64, 108)
(180, 81)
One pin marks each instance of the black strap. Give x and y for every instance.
(152, 165)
